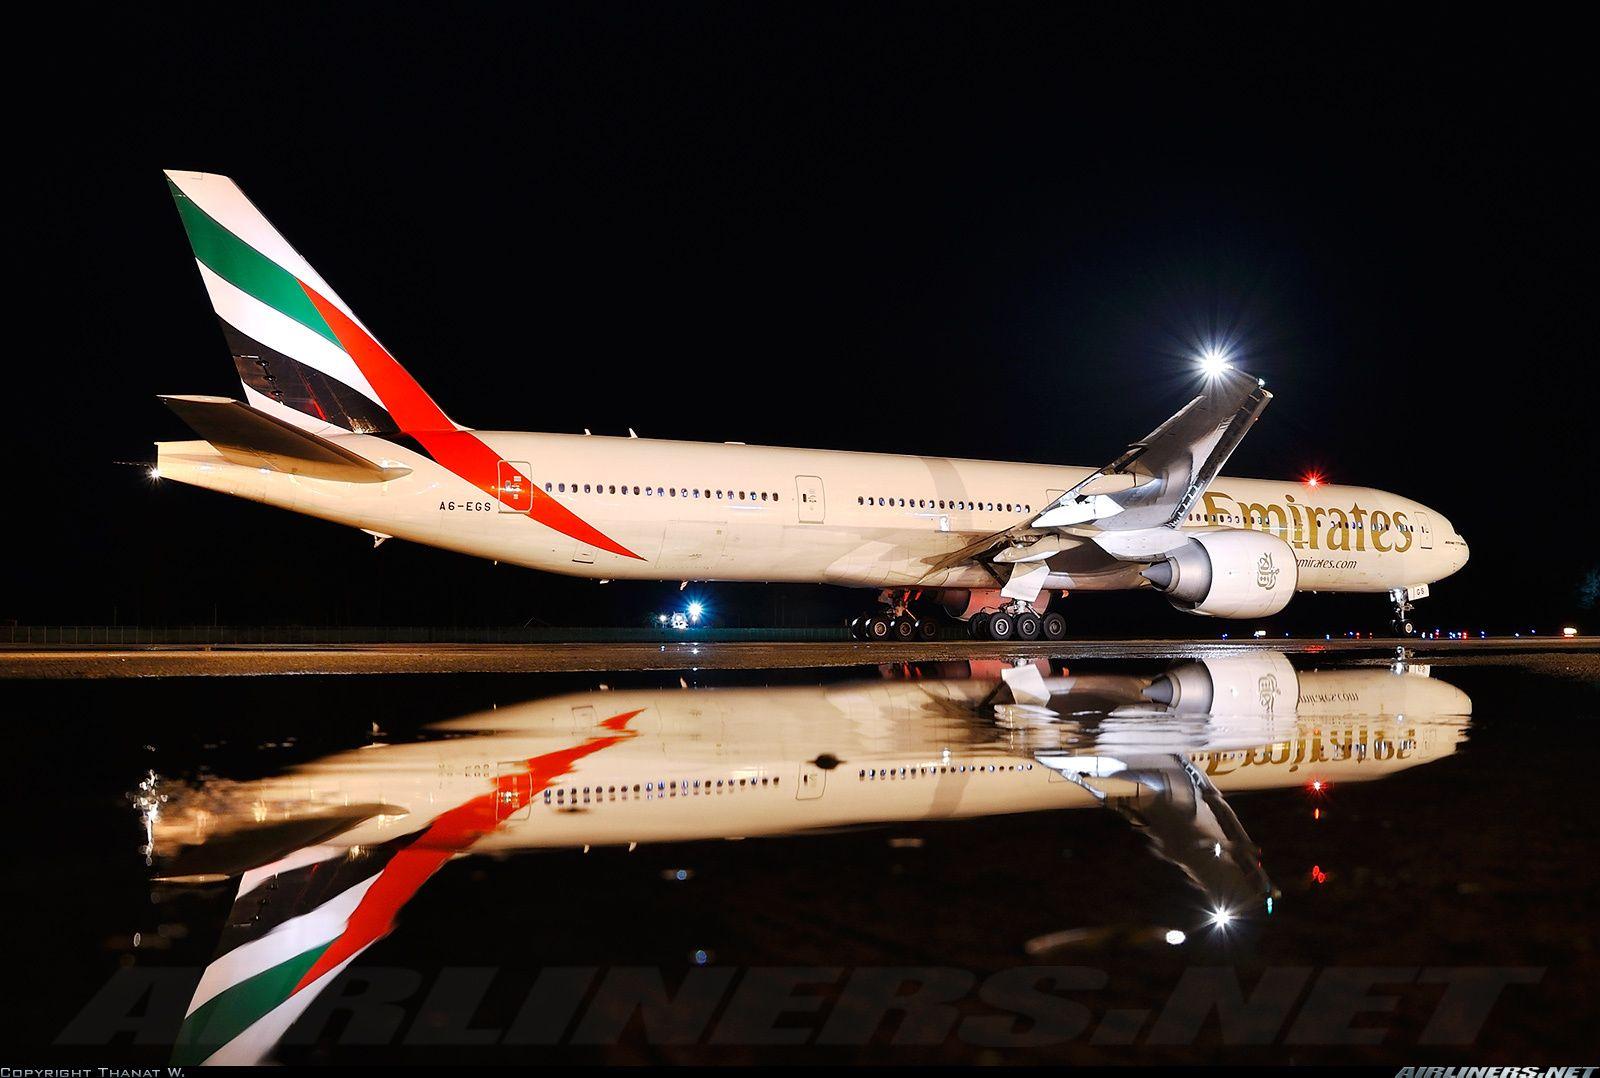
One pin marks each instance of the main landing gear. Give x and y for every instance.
(895, 622)
(1019, 621)
(1013, 621)
(1401, 623)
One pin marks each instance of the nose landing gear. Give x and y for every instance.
(1401, 624)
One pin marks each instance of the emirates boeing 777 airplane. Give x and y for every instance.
(334, 427)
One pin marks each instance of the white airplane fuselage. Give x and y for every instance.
(694, 764)
(734, 512)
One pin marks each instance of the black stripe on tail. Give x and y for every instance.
(305, 389)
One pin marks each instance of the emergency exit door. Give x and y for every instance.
(812, 779)
(516, 489)
(1424, 532)
(808, 492)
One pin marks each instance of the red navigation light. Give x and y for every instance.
(1313, 479)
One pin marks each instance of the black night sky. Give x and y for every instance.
(978, 230)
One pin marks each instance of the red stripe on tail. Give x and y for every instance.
(447, 836)
(463, 453)
(406, 401)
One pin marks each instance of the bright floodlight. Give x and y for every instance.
(1221, 918)
(1213, 361)
(1175, 937)
(695, 610)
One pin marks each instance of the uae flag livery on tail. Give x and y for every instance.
(306, 359)
(297, 922)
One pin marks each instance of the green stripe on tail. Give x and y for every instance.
(247, 269)
(237, 1008)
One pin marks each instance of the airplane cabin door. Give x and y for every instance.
(808, 492)
(812, 780)
(513, 790)
(1424, 532)
(516, 489)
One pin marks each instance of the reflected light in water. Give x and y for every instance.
(623, 766)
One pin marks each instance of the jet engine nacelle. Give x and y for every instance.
(1249, 684)
(1228, 574)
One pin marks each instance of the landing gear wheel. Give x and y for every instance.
(1401, 623)
(1001, 626)
(858, 629)
(979, 626)
(905, 629)
(879, 627)
(1027, 625)
(928, 628)
(1054, 626)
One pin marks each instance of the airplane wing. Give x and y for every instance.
(1183, 815)
(1171, 466)
(246, 436)
(1134, 507)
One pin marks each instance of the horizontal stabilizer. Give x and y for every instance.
(246, 436)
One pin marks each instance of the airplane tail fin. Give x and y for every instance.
(302, 354)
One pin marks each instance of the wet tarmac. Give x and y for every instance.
(248, 660)
(1156, 852)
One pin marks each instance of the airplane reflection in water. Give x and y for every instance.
(327, 853)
